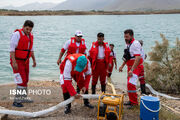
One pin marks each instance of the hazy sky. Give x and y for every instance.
(23, 2)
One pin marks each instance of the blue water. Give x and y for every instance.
(51, 32)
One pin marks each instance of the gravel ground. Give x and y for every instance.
(79, 112)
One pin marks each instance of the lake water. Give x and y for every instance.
(51, 32)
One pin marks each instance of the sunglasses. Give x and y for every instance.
(79, 36)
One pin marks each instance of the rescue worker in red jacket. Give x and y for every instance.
(74, 45)
(21, 49)
(132, 58)
(99, 55)
(78, 67)
(112, 60)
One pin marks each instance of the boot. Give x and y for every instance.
(16, 104)
(68, 106)
(86, 102)
(18, 97)
(103, 88)
(93, 89)
(25, 99)
(143, 89)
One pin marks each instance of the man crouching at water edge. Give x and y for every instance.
(78, 67)
(21, 49)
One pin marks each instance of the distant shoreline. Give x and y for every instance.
(4, 12)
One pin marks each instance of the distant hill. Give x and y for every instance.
(143, 5)
(118, 5)
(33, 6)
(83, 5)
(106, 5)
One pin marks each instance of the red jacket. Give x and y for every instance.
(23, 50)
(93, 54)
(73, 47)
(79, 76)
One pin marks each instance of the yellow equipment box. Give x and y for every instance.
(110, 107)
(111, 100)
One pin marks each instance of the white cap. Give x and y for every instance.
(78, 33)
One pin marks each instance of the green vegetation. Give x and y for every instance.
(163, 70)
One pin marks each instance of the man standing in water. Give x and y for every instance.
(21, 49)
(132, 58)
(99, 55)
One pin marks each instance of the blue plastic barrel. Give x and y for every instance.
(149, 108)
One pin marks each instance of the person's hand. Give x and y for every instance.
(15, 65)
(120, 69)
(110, 65)
(116, 67)
(77, 96)
(34, 64)
(84, 90)
(59, 61)
(130, 73)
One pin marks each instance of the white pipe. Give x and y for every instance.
(43, 112)
(161, 94)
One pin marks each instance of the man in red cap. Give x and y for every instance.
(78, 67)
(21, 49)
(99, 56)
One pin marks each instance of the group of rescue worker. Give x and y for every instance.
(79, 64)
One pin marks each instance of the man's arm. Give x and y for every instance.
(87, 77)
(115, 62)
(63, 50)
(14, 64)
(136, 63)
(33, 58)
(13, 44)
(122, 66)
(60, 56)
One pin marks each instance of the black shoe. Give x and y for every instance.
(130, 106)
(127, 103)
(89, 105)
(15, 104)
(103, 88)
(93, 89)
(143, 88)
(67, 110)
